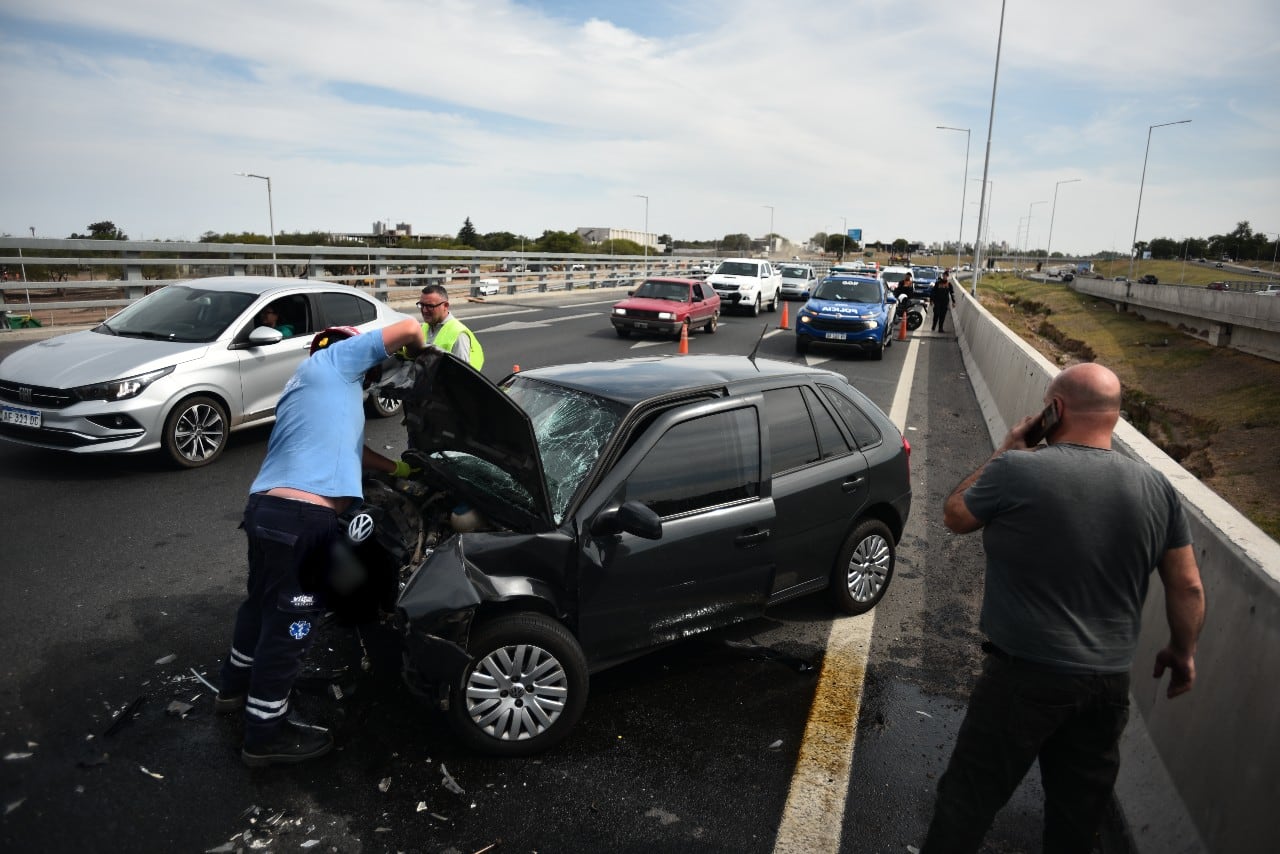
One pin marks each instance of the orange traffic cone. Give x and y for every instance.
(684, 340)
(515, 369)
(902, 328)
(783, 324)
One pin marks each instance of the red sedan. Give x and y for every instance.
(665, 305)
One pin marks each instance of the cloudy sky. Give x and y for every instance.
(528, 115)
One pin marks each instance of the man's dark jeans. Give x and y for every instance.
(1020, 712)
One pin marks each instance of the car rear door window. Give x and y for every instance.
(792, 442)
(860, 426)
(340, 309)
(699, 464)
(830, 440)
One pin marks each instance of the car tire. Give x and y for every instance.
(377, 406)
(496, 714)
(622, 333)
(864, 568)
(755, 307)
(878, 352)
(773, 304)
(195, 432)
(713, 324)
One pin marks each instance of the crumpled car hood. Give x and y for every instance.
(452, 408)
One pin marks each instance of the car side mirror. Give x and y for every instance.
(631, 518)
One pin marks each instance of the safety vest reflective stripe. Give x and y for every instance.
(448, 336)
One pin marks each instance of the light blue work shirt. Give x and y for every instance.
(318, 437)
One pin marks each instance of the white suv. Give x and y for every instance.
(747, 283)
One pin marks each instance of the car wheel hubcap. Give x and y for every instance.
(868, 568)
(516, 692)
(198, 433)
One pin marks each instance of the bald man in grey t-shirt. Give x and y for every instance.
(1072, 533)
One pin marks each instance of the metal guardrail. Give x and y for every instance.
(108, 275)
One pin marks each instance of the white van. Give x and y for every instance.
(747, 284)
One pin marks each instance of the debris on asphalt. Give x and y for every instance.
(224, 848)
(911, 849)
(9, 757)
(448, 782)
(776, 745)
(13, 805)
(422, 806)
(207, 683)
(178, 709)
(753, 651)
(150, 773)
(382, 830)
(439, 817)
(926, 714)
(310, 843)
(167, 659)
(125, 715)
(384, 784)
(489, 847)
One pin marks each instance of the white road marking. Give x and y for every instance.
(515, 325)
(820, 782)
(640, 344)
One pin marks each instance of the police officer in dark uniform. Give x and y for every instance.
(311, 473)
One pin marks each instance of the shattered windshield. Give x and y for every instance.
(571, 428)
(181, 313)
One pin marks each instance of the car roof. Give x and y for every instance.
(258, 284)
(633, 381)
(675, 279)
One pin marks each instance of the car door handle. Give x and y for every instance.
(754, 538)
(852, 485)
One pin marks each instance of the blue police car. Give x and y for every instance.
(852, 311)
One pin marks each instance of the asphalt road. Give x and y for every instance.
(111, 566)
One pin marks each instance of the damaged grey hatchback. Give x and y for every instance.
(574, 517)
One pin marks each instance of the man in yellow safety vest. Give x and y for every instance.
(445, 331)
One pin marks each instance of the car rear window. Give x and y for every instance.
(862, 428)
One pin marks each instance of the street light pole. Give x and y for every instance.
(646, 231)
(1054, 212)
(963, 189)
(1026, 242)
(1133, 244)
(769, 237)
(986, 163)
(844, 237)
(270, 215)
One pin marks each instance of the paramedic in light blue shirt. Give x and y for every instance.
(312, 472)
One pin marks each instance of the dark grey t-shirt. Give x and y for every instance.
(1072, 535)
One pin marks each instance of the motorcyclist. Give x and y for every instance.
(904, 291)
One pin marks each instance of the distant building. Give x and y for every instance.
(596, 236)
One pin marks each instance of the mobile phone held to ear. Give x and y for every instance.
(1044, 425)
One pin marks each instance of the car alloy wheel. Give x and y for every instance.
(524, 689)
(195, 432)
(755, 307)
(381, 407)
(713, 324)
(863, 568)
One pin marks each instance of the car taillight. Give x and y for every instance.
(906, 446)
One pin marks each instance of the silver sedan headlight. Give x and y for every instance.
(121, 389)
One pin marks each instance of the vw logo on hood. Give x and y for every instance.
(360, 528)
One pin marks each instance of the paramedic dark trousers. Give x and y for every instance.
(289, 549)
(1019, 712)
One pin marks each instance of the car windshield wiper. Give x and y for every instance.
(147, 334)
(104, 328)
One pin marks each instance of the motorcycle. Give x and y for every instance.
(913, 308)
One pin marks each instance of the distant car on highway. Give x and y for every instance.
(1269, 291)
(487, 287)
(665, 306)
(797, 280)
(1148, 279)
(178, 370)
(1218, 286)
(747, 284)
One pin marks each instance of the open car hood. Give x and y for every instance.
(451, 409)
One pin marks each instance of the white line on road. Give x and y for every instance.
(820, 782)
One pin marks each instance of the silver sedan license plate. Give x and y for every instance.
(21, 417)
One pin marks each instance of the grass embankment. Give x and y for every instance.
(1215, 410)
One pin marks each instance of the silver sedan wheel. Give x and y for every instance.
(516, 692)
(195, 432)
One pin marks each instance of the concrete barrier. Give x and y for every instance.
(1202, 772)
